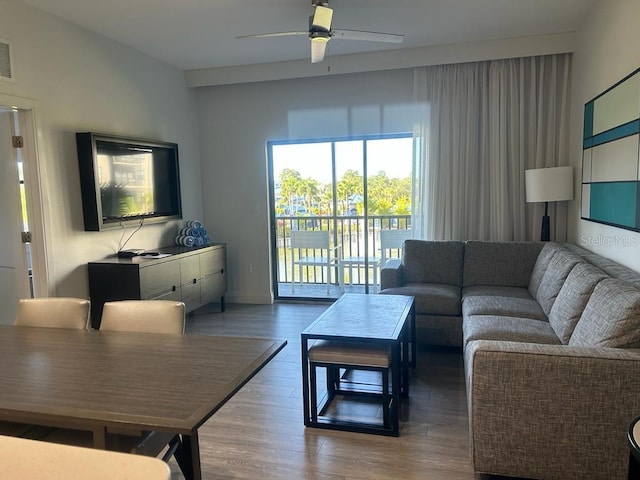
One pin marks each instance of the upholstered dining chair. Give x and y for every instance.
(142, 316)
(151, 316)
(58, 312)
(146, 316)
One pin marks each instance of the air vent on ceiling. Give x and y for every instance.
(6, 61)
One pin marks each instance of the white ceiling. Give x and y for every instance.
(199, 34)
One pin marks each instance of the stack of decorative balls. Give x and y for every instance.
(193, 234)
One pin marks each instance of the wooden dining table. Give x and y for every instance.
(91, 380)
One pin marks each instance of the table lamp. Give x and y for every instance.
(554, 184)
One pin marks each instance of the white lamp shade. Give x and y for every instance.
(553, 184)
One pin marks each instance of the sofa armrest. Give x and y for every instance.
(550, 411)
(391, 274)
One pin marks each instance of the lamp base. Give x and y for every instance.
(545, 234)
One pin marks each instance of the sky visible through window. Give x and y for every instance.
(313, 160)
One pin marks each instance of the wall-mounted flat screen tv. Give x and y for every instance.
(126, 181)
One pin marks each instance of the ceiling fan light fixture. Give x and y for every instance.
(322, 18)
(318, 48)
(320, 32)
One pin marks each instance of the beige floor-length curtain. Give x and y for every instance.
(481, 125)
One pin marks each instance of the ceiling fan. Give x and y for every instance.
(320, 32)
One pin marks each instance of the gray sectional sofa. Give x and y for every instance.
(551, 341)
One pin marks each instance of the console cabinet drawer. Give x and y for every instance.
(189, 269)
(212, 262)
(190, 293)
(174, 295)
(159, 279)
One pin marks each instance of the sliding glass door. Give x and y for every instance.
(351, 188)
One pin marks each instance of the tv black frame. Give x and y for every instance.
(90, 189)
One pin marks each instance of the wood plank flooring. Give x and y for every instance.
(259, 433)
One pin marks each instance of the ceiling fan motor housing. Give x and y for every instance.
(320, 35)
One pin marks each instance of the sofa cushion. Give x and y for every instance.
(554, 277)
(432, 262)
(431, 298)
(611, 317)
(613, 269)
(573, 298)
(499, 263)
(508, 329)
(542, 262)
(502, 306)
(495, 291)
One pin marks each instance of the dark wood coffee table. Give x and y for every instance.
(376, 321)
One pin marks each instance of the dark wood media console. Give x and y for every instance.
(195, 276)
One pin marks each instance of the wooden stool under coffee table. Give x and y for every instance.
(360, 332)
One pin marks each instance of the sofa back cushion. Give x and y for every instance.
(499, 263)
(542, 262)
(554, 277)
(573, 298)
(611, 268)
(611, 317)
(432, 262)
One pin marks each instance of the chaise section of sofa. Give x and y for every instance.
(552, 412)
(553, 400)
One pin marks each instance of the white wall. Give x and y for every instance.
(236, 121)
(607, 51)
(84, 82)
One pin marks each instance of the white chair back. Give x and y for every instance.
(308, 243)
(150, 316)
(310, 239)
(25, 458)
(393, 239)
(56, 312)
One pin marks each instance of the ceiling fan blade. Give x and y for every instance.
(273, 35)
(367, 36)
(318, 48)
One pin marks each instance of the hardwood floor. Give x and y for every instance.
(259, 433)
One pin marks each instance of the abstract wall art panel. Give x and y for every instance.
(615, 203)
(611, 156)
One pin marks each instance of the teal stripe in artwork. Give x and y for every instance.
(588, 120)
(614, 203)
(625, 130)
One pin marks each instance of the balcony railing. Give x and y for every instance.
(349, 232)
